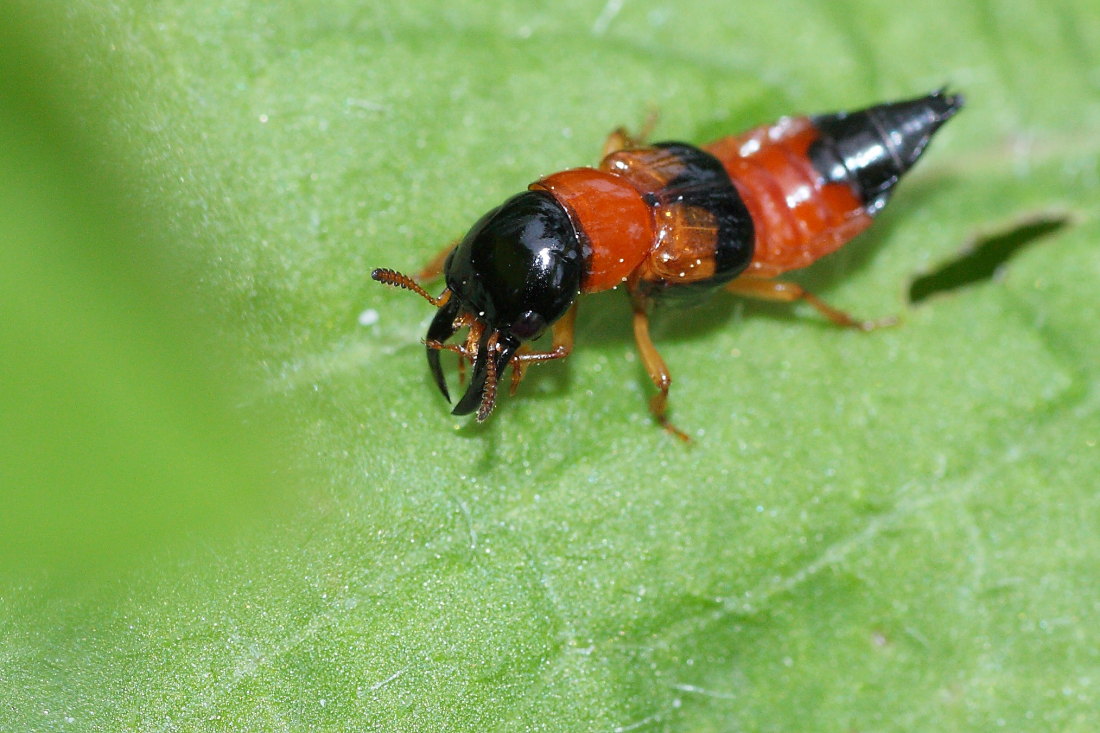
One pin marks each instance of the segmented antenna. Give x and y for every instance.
(387, 276)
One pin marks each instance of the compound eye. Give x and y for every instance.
(528, 326)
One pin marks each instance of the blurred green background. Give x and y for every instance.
(232, 500)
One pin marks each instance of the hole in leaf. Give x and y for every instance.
(984, 258)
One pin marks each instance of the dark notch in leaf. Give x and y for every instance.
(985, 256)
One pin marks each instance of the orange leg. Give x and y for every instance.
(466, 351)
(463, 356)
(434, 268)
(620, 139)
(657, 370)
(784, 292)
(562, 332)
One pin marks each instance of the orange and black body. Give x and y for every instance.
(668, 220)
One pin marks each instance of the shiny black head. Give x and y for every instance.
(514, 274)
(519, 267)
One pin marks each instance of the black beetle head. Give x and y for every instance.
(514, 274)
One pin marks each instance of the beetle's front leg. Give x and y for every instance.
(562, 346)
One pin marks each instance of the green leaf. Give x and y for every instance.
(886, 531)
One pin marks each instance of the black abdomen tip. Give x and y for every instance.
(945, 105)
(872, 148)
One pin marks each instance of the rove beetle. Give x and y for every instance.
(667, 220)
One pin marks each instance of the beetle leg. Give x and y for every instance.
(562, 331)
(620, 139)
(467, 351)
(786, 292)
(657, 370)
(463, 356)
(434, 268)
(518, 369)
(440, 346)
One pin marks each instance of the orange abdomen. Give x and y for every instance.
(798, 215)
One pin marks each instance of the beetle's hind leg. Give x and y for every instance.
(786, 292)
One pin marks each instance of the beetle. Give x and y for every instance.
(667, 220)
